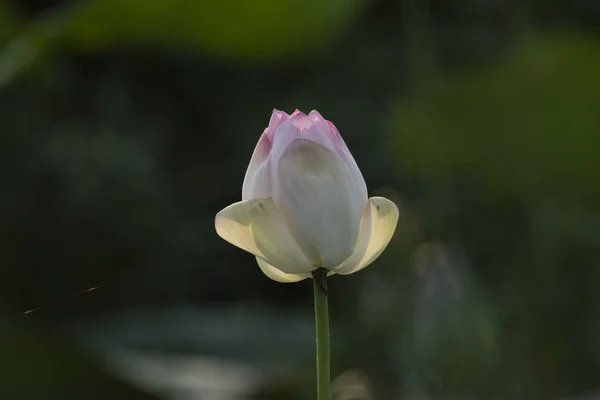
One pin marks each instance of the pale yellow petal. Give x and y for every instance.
(378, 224)
(278, 275)
(257, 227)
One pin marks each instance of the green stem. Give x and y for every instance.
(322, 322)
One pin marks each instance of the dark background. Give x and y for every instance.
(127, 124)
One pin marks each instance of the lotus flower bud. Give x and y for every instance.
(305, 205)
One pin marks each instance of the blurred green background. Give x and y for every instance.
(127, 124)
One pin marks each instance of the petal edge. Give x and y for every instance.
(278, 275)
(257, 227)
(376, 230)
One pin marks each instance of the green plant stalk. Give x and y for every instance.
(322, 327)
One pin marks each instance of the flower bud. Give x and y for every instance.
(304, 203)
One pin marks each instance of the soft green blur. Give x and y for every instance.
(127, 124)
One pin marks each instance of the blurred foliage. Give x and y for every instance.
(510, 125)
(234, 28)
(8, 23)
(46, 368)
(126, 125)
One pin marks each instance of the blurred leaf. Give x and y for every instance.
(266, 335)
(272, 346)
(8, 23)
(13, 56)
(239, 29)
(530, 123)
(452, 346)
(17, 56)
(36, 368)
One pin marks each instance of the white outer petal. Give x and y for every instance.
(257, 227)
(343, 151)
(376, 230)
(257, 181)
(320, 201)
(278, 275)
(315, 128)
